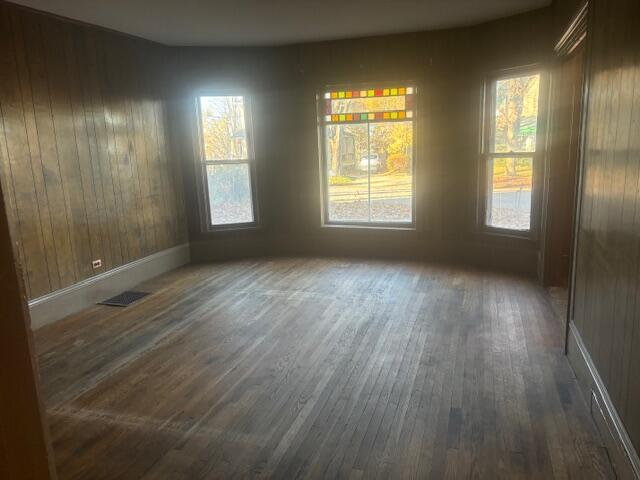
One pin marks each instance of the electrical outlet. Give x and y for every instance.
(96, 263)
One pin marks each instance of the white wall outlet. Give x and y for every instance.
(96, 263)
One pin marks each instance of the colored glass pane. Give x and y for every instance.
(385, 92)
(368, 104)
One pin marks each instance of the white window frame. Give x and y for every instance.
(202, 163)
(487, 153)
(323, 158)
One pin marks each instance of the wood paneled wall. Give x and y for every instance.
(86, 162)
(607, 287)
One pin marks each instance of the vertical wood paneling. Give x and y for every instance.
(606, 309)
(86, 170)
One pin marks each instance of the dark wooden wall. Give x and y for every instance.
(448, 66)
(607, 288)
(85, 156)
(567, 81)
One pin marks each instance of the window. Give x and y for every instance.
(367, 141)
(226, 161)
(511, 151)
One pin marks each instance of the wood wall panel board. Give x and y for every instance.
(85, 160)
(20, 161)
(156, 199)
(111, 119)
(116, 91)
(95, 69)
(50, 260)
(168, 190)
(76, 109)
(623, 188)
(51, 172)
(631, 364)
(142, 164)
(81, 48)
(128, 60)
(65, 136)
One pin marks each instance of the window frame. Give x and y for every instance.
(202, 163)
(324, 180)
(486, 155)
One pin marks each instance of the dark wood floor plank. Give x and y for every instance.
(319, 368)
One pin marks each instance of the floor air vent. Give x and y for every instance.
(123, 299)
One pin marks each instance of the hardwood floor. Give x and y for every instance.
(330, 368)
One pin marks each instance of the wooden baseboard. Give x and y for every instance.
(61, 303)
(614, 435)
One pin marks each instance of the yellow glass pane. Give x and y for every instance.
(334, 94)
(370, 93)
(385, 92)
(340, 94)
(394, 91)
(342, 117)
(394, 115)
(368, 104)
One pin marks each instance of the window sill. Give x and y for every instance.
(517, 235)
(345, 226)
(232, 228)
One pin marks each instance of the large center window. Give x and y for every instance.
(368, 150)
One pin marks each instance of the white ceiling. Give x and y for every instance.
(277, 22)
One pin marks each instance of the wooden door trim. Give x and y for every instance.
(25, 449)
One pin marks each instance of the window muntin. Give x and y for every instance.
(368, 155)
(511, 151)
(226, 161)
